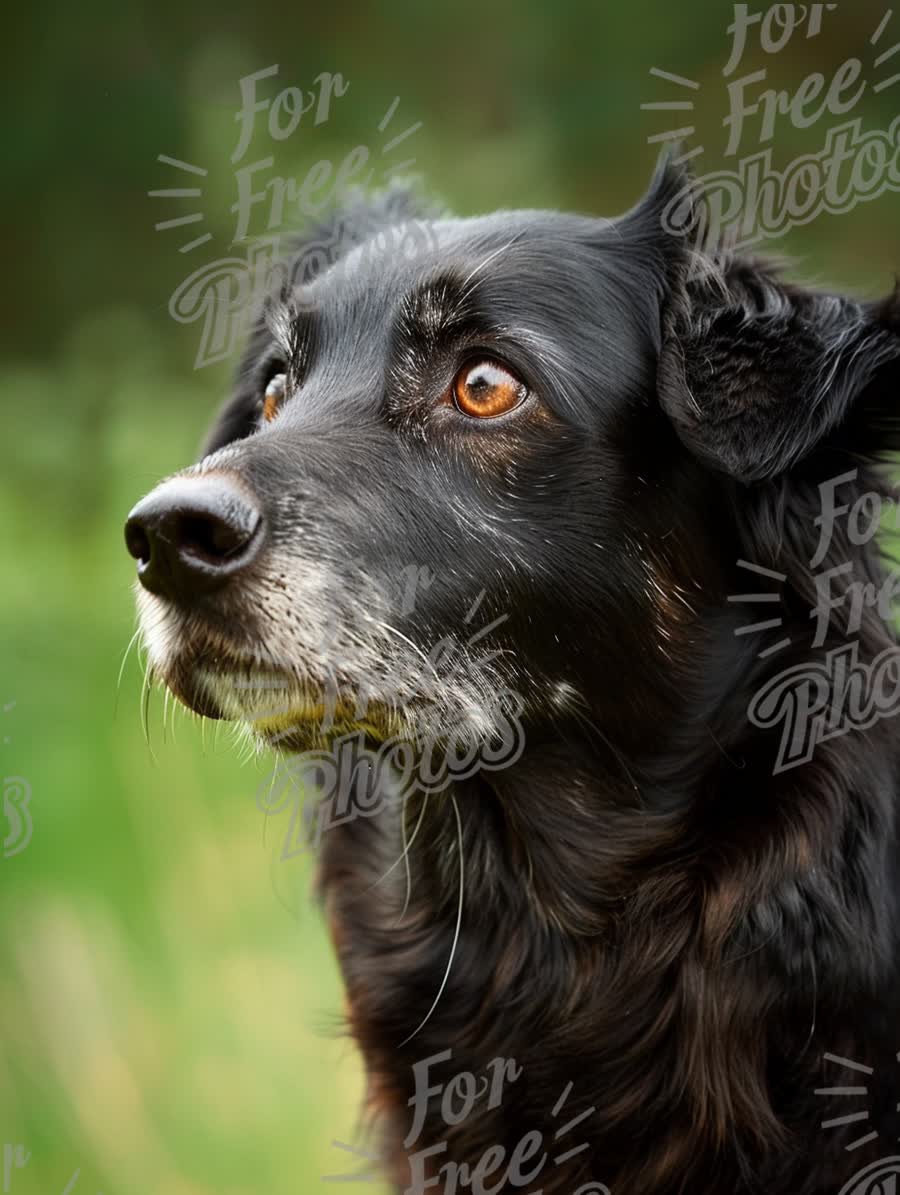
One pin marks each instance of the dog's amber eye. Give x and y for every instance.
(273, 396)
(486, 389)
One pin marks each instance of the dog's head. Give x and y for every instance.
(511, 460)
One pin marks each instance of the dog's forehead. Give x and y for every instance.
(531, 253)
(572, 282)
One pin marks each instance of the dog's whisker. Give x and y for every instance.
(488, 629)
(486, 262)
(406, 849)
(134, 638)
(407, 846)
(273, 776)
(385, 626)
(145, 711)
(462, 872)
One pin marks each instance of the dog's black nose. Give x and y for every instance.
(191, 534)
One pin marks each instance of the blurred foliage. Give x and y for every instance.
(167, 988)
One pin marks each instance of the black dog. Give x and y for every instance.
(607, 450)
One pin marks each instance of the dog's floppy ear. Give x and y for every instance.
(756, 373)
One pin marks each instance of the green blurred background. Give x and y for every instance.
(169, 1001)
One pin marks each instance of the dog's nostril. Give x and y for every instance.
(137, 541)
(212, 537)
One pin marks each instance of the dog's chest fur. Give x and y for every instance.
(642, 1003)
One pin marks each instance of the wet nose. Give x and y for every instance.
(191, 534)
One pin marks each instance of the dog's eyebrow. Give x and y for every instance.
(293, 330)
(437, 307)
